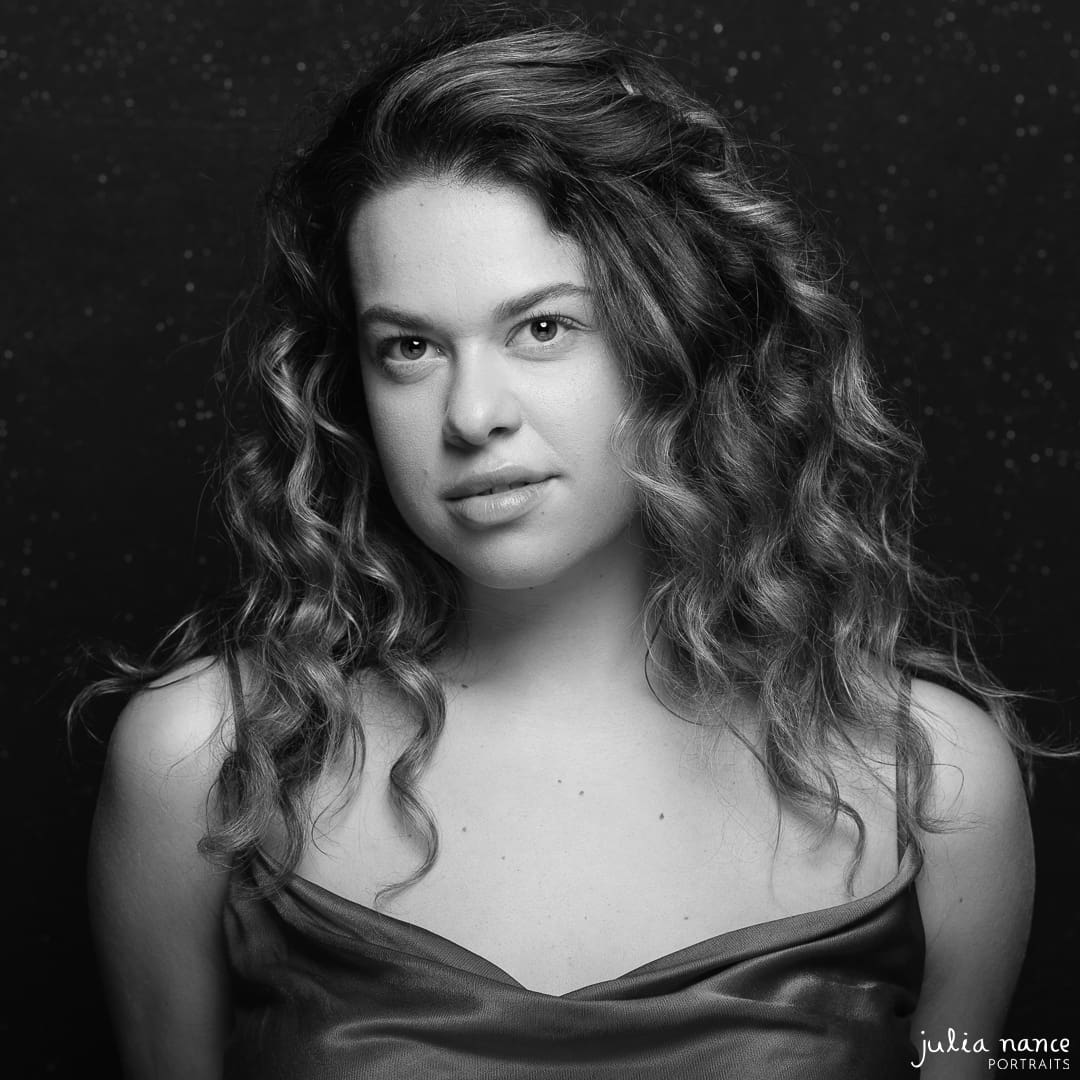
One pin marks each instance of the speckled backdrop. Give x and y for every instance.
(938, 139)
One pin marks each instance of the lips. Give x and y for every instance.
(498, 489)
(496, 481)
(498, 497)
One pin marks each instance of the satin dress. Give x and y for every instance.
(327, 989)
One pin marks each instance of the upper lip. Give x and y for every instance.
(500, 476)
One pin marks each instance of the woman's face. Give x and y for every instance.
(491, 394)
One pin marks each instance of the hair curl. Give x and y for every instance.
(776, 494)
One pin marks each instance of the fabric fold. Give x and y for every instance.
(326, 989)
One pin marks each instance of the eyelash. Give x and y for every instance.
(386, 346)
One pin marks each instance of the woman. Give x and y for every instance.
(564, 724)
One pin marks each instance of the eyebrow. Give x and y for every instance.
(506, 309)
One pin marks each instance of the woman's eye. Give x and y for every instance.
(544, 329)
(410, 348)
(404, 354)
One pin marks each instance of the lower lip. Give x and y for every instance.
(499, 508)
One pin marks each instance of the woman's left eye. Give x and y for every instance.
(544, 329)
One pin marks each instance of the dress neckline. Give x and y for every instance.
(346, 914)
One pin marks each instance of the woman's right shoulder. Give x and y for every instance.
(184, 715)
(167, 747)
(155, 900)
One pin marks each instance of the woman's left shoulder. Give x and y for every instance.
(976, 884)
(976, 778)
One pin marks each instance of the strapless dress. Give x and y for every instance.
(327, 989)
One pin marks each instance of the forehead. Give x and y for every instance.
(446, 243)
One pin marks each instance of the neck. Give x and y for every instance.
(581, 631)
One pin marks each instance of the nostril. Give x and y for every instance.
(478, 417)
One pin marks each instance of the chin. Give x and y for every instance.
(533, 559)
(509, 576)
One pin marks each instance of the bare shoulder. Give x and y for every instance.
(976, 793)
(181, 717)
(977, 882)
(164, 756)
(155, 899)
(157, 793)
(976, 775)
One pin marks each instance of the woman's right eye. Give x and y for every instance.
(407, 348)
(397, 355)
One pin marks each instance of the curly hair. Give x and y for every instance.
(776, 494)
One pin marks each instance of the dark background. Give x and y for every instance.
(937, 139)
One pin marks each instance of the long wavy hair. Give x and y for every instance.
(776, 494)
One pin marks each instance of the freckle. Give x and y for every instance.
(661, 817)
(503, 857)
(464, 686)
(560, 781)
(463, 829)
(581, 792)
(686, 918)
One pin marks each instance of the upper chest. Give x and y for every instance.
(570, 852)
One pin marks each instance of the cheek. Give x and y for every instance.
(401, 454)
(592, 420)
(399, 443)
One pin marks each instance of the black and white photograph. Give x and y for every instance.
(540, 541)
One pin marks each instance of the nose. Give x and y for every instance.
(481, 402)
